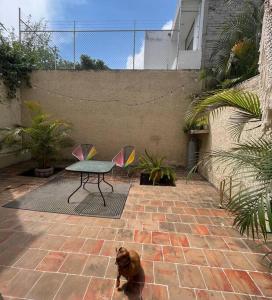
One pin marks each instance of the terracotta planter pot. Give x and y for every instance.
(44, 172)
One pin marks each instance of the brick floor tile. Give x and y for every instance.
(216, 258)
(109, 248)
(90, 232)
(187, 219)
(99, 289)
(178, 239)
(152, 252)
(165, 273)
(216, 279)
(21, 283)
(264, 282)
(158, 217)
(134, 246)
(166, 227)
(46, 287)
(74, 263)
(194, 256)
(177, 293)
(232, 296)
(203, 220)
(52, 242)
(198, 241)
(150, 226)
(209, 295)
(111, 271)
(92, 246)
(96, 266)
(6, 275)
(172, 218)
(190, 211)
(258, 262)
(161, 238)
(241, 282)
(177, 210)
(148, 270)
(238, 260)
(216, 243)
(154, 292)
(183, 228)
(199, 229)
(190, 276)
(107, 234)
(52, 261)
(167, 209)
(219, 230)
(73, 244)
(73, 288)
(204, 212)
(144, 216)
(118, 223)
(142, 237)
(56, 229)
(150, 208)
(236, 244)
(31, 259)
(124, 235)
(173, 254)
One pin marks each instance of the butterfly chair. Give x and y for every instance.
(84, 152)
(125, 157)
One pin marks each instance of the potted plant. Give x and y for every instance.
(45, 138)
(154, 171)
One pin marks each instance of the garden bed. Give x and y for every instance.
(144, 180)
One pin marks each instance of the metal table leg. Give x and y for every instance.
(98, 184)
(103, 179)
(81, 182)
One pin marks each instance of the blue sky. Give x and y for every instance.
(113, 48)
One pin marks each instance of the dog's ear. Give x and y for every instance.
(116, 250)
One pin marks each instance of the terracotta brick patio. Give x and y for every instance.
(188, 248)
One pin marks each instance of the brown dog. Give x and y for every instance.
(128, 263)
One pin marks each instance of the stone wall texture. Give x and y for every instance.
(217, 13)
(219, 137)
(111, 109)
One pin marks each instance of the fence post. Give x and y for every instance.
(178, 39)
(20, 36)
(134, 39)
(74, 48)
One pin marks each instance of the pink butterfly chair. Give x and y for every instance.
(125, 157)
(84, 152)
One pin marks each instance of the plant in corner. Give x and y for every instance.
(45, 138)
(155, 171)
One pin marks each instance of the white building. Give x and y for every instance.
(181, 47)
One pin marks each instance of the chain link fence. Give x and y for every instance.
(74, 46)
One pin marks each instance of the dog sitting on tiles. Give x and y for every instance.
(129, 265)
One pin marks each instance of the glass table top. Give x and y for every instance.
(91, 166)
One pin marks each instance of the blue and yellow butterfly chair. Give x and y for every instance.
(84, 152)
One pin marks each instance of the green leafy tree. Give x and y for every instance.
(87, 63)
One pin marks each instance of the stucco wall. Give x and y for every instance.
(115, 108)
(10, 114)
(219, 137)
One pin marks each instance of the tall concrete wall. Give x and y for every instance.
(10, 114)
(219, 138)
(115, 108)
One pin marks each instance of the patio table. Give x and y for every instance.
(99, 168)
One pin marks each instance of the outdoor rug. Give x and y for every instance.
(52, 197)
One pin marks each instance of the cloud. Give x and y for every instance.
(38, 9)
(139, 57)
(167, 25)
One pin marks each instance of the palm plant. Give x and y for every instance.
(246, 106)
(155, 167)
(44, 138)
(236, 54)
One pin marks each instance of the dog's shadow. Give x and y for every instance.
(133, 290)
